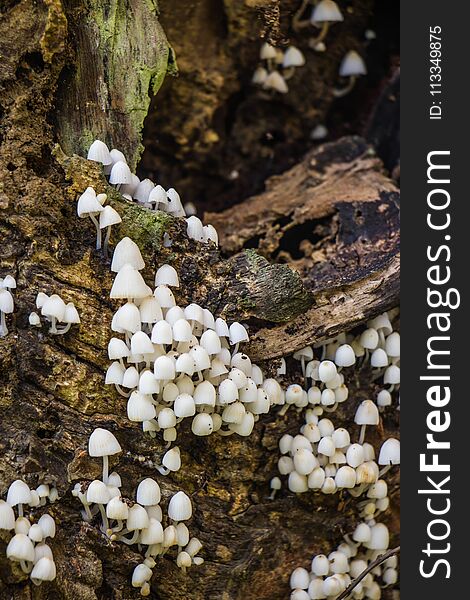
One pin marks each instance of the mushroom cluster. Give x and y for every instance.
(277, 67)
(55, 311)
(323, 14)
(7, 305)
(330, 575)
(324, 458)
(176, 363)
(27, 545)
(140, 521)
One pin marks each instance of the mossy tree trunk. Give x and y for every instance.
(71, 71)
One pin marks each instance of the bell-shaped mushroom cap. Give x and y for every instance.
(162, 333)
(54, 306)
(148, 384)
(117, 509)
(18, 493)
(137, 518)
(167, 275)
(164, 368)
(128, 284)
(140, 408)
(319, 132)
(180, 508)
(267, 51)
(221, 328)
(117, 349)
(237, 333)
(42, 550)
(345, 356)
(245, 427)
(6, 302)
(43, 570)
(148, 492)
(355, 455)
(152, 534)
(150, 311)
(71, 314)
(390, 452)
(205, 394)
(9, 282)
(158, 196)
(174, 205)
(193, 312)
(182, 331)
(202, 424)
(275, 81)
(352, 65)
(327, 371)
(88, 203)
(201, 358)
(379, 358)
(20, 548)
(103, 443)
(362, 533)
(166, 418)
(117, 156)
(98, 493)
(164, 296)
(345, 477)
(210, 234)
(40, 299)
(184, 406)
(379, 537)
(259, 76)
(143, 190)
(392, 375)
(341, 437)
(127, 318)
(127, 252)
(210, 341)
(326, 11)
(306, 353)
(320, 565)
(195, 228)
(109, 216)
(299, 579)
(120, 173)
(7, 516)
(141, 344)
(172, 459)
(140, 575)
(293, 57)
(47, 525)
(367, 413)
(99, 152)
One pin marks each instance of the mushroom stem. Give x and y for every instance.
(98, 231)
(132, 540)
(53, 328)
(312, 42)
(384, 470)
(224, 432)
(121, 391)
(235, 349)
(106, 241)
(3, 325)
(356, 492)
(26, 566)
(105, 524)
(105, 469)
(64, 329)
(362, 434)
(297, 22)
(20, 510)
(339, 93)
(283, 410)
(162, 470)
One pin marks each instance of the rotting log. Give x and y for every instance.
(51, 388)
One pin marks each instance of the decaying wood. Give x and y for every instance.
(51, 387)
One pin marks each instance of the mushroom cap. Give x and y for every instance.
(9, 282)
(210, 234)
(326, 11)
(379, 537)
(20, 548)
(7, 516)
(148, 384)
(7, 304)
(88, 203)
(127, 318)
(140, 575)
(103, 443)
(182, 331)
(164, 296)
(172, 459)
(180, 508)
(345, 356)
(71, 314)
(140, 408)
(98, 493)
(390, 452)
(184, 406)
(195, 228)
(275, 81)
(120, 173)
(367, 413)
(158, 196)
(109, 216)
(43, 570)
(267, 51)
(117, 349)
(152, 534)
(128, 284)
(164, 368)
(293, 57)
(54, 306)
(352, 65)
(99, 152)
(143, 190)
(202, 424)
(150, 311)
(141, 343)
(237, 333)
(18, 493)
(148, 492)
(117, 156)
(127, 252)
(167, 275)
(162, 333)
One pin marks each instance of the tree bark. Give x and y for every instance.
(73, 71)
